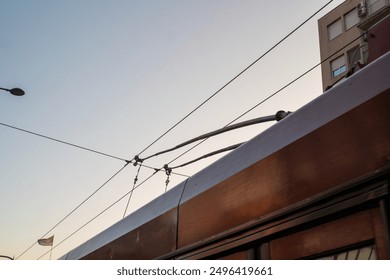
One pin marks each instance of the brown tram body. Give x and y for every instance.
(312, 185)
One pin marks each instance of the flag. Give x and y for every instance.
(46, 241)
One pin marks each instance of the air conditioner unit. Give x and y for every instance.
(362, 9)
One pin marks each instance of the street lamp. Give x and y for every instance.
(14, 91)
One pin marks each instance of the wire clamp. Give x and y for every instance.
(167, 183)
(138, 160)
(167, 169)
(168, 172)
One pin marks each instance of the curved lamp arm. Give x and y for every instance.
(14, 91)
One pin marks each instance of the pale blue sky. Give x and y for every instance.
(113, 76)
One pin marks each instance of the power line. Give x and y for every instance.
(213, 95)
(90, 196)
(76, 146)
(296, 79)
(226, 128)
(63, 142)
(84, 225)
(77, 207)
(231, 147)
(93, 193)
(180, 121)
(272, 95)
(235, 77)
(185, 117)
(131, 192)
(102, 212)
(135, 187)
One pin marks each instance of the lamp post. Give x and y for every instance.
(14, 91)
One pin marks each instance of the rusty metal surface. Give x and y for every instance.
(349, 146)
(357, 194)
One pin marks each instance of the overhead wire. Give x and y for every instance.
(131, 192)
(170, 129)
(82, 148)
(232, 147)
(266, 99)
(102, 212)
(74, 209)
(64, 142)
(76, 146)
(84, 225)
(89, 197)
(272, 95)
(234, 78)
(296, 79)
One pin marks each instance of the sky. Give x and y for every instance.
(113, 76)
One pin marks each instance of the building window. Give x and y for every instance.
(338, 66)
(375, 5)
(335, 29)
(351, 19)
